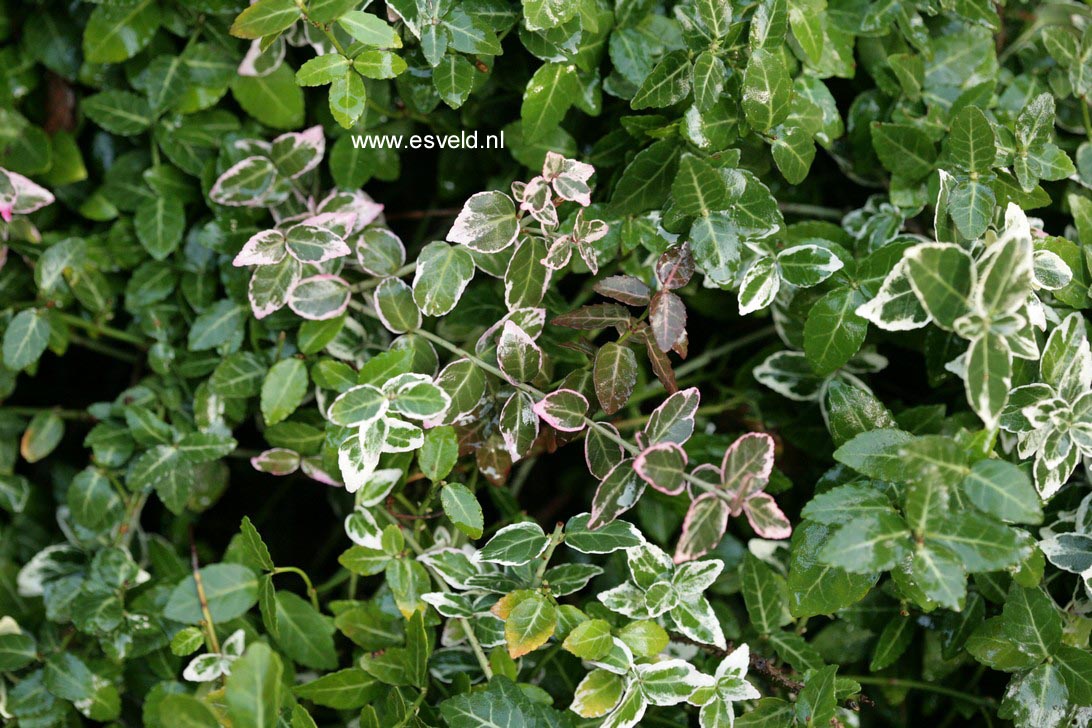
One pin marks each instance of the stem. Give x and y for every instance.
(106, 349)
(476, 646)
(895, 682)
(64, 414)
(798, 208)
(555, 538)
(373, 282)
(306, 580)
(539, 394)
(101, 329)
(207, 623)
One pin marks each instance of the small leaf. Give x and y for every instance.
(462, 508)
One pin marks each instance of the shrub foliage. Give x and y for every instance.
(748, 383)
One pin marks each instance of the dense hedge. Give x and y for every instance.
(748, 383)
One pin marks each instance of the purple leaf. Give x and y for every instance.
(626, 289)
(563, 410)
(667, 318)
(663, 466)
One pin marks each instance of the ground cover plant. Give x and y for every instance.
(748, 383)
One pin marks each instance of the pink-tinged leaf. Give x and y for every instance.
(366, 209)
(626, 289)
(587, 254)
(519, 357)
(766, 518)
(537, 199)
(588, 231)
(264, 248)
(667, 319)
(675, 267)
(563, 410)
(594, 316)
(297, 153)
(663, 466)
(569, 178)
(661, 364)
(673, 420)
(750, 455)
(312, 244)
(708, 474)
(557, 256)
(245, 184)
(531, 320)
(277, 461)
(29, 195)
(314, 469)
(320, 297)
(5, 212)
(518, 425)
(616, 494)
(614, 376)
(487, 223)
(600, 451)
(341, 223)
(703, 528)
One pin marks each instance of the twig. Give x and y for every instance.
(210, 627)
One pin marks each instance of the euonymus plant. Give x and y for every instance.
(747, 382)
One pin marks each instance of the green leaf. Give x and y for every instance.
(116, 33)
(462, 508)
(254, 689)
(765, 593)
(1075, 667)
(869, 543)
(530, 624)
(443, 272)
(42, 436)
(275, 100)
(25, 339)
(971, 142)
(439, 453)
(834, 332)
(119, 112)
(303, 634)
(230, 591)
(904, 150)
(549, 94)
(348, 98)
(709, 76)
(369, 30)
(645, 181)
(1031, 621)
(767, 90)
(265, 17)
(793, 152)
(1003, 490)
(698, 189)
(160, 223)
(283, 390)
(322, 70)
(186, 711)
(971, 206)
(341, 690)
(66, 676)
(259, 552)
(590, 640)
(1037, 698)
(17, 650)
(516, 544)
(668, 83)
(941, 275)
(545, 14)
(989, 376)
(222, 323)
(894, 640)
(938, 573)
(454, 79)
(851, 410)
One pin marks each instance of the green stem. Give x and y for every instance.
(798, 208)
(106, 349)
(1087, 120)
(64, 414)
(306, 580)
(101, 329)
(476, 646)
(895, 682)
(555, 538)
